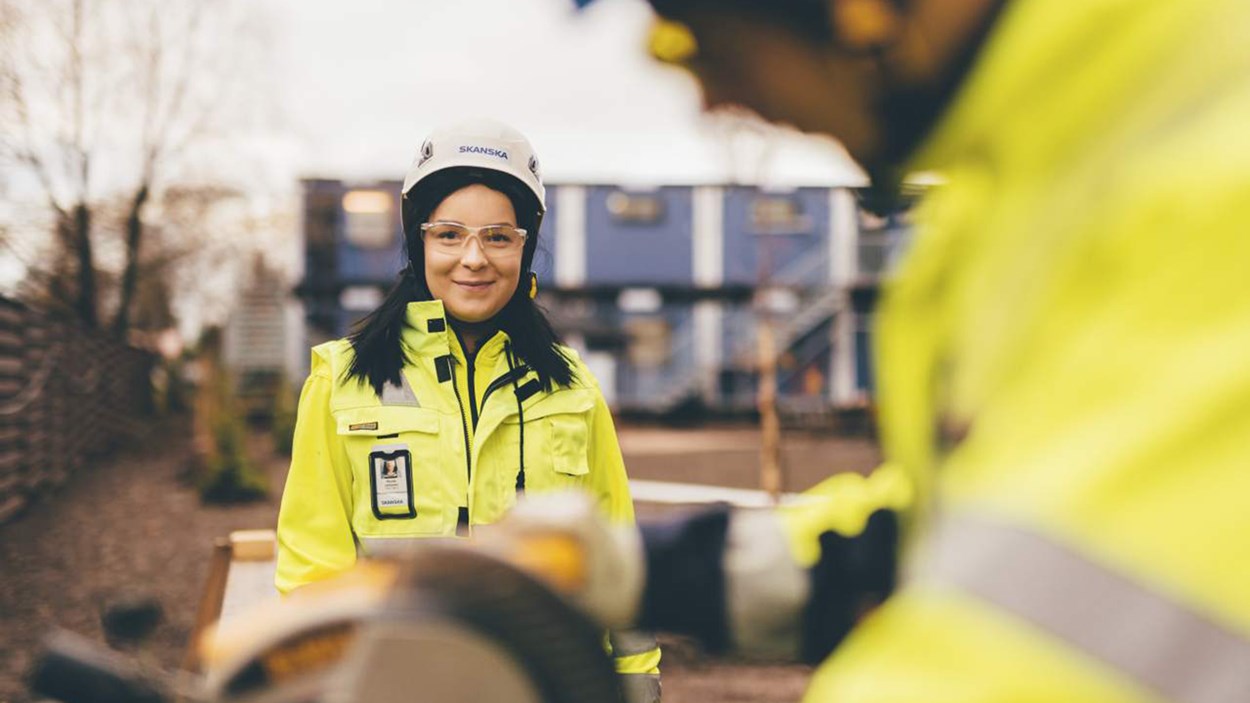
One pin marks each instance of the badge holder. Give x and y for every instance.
(390, 482)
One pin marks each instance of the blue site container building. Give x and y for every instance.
(662, 289)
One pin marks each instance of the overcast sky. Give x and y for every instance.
(356, 86)
(363, 82)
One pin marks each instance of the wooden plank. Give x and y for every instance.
(210, 601)
(10, 434)
(10, 460)
(11, 506)
(46, 478)
(11, 315)
(252, 571)
(253, 545)
(249, 583)
(11, 483)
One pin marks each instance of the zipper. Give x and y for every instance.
(468, 451)
(469, 360)
(505, 380)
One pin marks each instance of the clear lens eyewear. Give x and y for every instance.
(451, 237)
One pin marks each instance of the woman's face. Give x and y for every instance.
(474, 287)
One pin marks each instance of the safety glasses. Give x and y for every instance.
(452, 237)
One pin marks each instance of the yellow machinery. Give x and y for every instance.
(445, 623)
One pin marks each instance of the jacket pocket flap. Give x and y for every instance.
(386, 420)
(566, 401)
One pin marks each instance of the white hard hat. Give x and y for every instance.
(480, 143)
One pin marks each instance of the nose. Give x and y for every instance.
(472, 257)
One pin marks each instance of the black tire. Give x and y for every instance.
(559, 648)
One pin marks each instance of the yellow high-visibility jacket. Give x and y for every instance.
(1063, 367)
(459, 426)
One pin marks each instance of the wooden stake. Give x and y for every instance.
(766, 402)
(210, 601)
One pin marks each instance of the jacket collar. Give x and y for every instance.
(428, 334)
(425, 332)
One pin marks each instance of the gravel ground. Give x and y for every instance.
(127, 526)
(124, 527)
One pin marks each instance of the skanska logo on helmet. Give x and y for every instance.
(486, 150)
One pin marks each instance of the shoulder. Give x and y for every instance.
(571, 354)
(582, 377)
(330, 362)
(331, 359)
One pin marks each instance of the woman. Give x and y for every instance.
(454, 396)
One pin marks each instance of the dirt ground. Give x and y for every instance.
(128, 527)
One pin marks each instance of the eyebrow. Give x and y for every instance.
(457, 222)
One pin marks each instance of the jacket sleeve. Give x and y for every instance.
(314, 523)
(842, 504)
(817, 564)
(637, 654)
(608, 481)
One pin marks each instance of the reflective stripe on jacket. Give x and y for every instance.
(1062, 372)
(461, 425)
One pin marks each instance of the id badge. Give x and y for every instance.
(390, 482)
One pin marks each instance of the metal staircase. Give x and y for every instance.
(686, 379)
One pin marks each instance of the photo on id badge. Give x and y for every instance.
(390, 482)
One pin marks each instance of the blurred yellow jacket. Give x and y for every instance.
(1063, 367)
(438, 454)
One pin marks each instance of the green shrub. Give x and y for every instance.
(229, 474)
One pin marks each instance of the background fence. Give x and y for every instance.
(66, 396)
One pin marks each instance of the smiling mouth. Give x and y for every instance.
(475, 285)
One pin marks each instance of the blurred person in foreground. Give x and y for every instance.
(1063, 358)
(454, 396)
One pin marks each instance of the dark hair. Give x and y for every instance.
(376, 339)
(806, 18)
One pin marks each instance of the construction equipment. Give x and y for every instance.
(447, 623)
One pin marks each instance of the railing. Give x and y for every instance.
(662, 387)
(810, 269)
(65, 396)
(657, 388)
(878, 249)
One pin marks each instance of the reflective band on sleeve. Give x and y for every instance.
(367, 547)
(1164, 645)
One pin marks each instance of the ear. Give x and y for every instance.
(415, 274)
(865, 25)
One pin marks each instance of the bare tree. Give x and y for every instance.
(64, 170)
(103, 100)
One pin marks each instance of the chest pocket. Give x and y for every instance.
(413, 504)
(557, 439)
